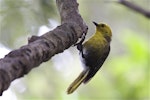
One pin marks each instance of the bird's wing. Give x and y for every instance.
(95, 64)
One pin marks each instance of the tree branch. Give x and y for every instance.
(40, 49)
(135, 8)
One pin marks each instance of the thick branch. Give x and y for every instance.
(40, 49)
(135, 8)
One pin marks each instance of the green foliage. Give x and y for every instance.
(20, 18)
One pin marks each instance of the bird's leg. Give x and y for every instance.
(82, 40)
(79, 44)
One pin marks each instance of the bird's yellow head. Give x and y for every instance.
(104, 30)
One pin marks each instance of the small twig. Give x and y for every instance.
(135, 8)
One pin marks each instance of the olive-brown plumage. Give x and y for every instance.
(93, 54)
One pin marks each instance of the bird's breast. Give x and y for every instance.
(92, 50)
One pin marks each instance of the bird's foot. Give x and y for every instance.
(79, 44)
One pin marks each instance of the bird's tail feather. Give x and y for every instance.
(76, 83)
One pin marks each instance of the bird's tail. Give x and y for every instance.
(76, 83)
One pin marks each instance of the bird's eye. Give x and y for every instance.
(103, 25)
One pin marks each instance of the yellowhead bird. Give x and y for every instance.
(93, 54)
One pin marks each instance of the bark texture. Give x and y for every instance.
(40, 49)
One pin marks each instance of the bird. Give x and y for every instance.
(93, 54)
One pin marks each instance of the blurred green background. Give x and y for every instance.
(124, 76)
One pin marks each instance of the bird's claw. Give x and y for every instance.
(79, 44)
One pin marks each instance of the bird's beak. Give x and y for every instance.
(95, 23)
